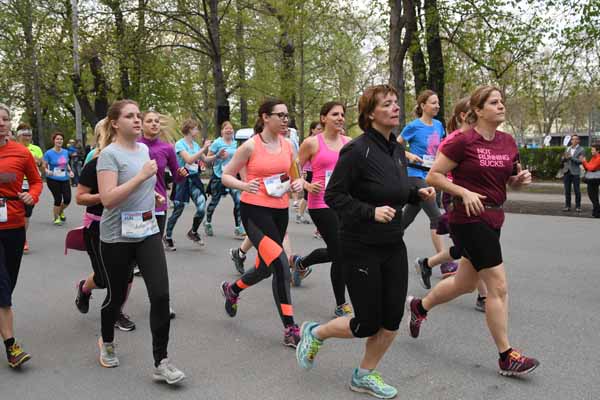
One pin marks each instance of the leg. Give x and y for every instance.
(66, 195)
(216, 193)
(11, 252)
(496, 307)
(54, 187)
(567, 186)
(177, 211)
(235, 196)
(577, 189)
(161, 220)
(465, 281)
(593, 195)
(200, 202)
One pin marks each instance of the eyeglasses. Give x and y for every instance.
(281, 115)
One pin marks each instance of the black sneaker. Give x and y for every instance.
(480, 304)
(195, 237)
(169, 245)
(238, 261)
(82, 301)
(124, 323)
(424, 271)
(231, 299)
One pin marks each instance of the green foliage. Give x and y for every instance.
(544, 163)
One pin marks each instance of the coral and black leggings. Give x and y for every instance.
(266, 229)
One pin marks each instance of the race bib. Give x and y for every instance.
(277, 185)
(3, 210)
(327, 177)
(138, 224)
(428, 160)
(192, 168)
(25, 185)
(59, 172)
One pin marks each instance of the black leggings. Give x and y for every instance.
(266, 229)
(327, 223)
(91, 237)
(161, 220)
(592, 189)
(61, 191)
(11, 252)
(116, 261)
(377, 280)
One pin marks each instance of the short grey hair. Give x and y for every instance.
(5, 108)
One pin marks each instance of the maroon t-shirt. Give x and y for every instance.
(484, 167)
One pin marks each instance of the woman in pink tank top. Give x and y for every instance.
(322, 151)
(267, 159)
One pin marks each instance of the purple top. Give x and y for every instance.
(164, 154)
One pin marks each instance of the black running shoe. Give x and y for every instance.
(238, 261)
(124, 323)
(169, 245)
(231, 299)
(82, 301)
(480, 304)
(424, 271)
(195, 237)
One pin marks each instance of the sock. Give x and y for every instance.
(241, 253)
(9, 342)
(196, 224)
(235, 288)
(480, 297)
(426, 262)
(420, 307)
(314, 333)
(360, 372)
(504, 356)
(84, 290)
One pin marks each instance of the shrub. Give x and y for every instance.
(544, 163)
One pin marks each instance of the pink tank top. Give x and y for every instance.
(263, 164)
(323, 164)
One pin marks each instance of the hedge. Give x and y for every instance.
(544, 163)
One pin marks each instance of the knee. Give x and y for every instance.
(498, 289)
(159, 298)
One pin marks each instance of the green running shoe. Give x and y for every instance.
(372, 384)
(308, 347)
(208, 229)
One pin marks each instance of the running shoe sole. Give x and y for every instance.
(368, 391)
(420, 274)
(514, 373)
(20, 362)
(160, 378)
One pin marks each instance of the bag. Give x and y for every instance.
(562, 171)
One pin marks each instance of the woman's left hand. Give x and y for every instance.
(297, 185)
(159, 199)
(427, 193)
(182, 171)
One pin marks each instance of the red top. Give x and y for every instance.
(484, 167)
(593, 164)
(263, 164)
(16, 161)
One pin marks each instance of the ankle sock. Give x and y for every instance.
(504, 356)
(9, 342)
(420, 307)
(360, 372)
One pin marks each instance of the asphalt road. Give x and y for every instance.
(553, 279)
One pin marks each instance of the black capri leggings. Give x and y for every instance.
(377, 280)
(61, 191)
(326, 221)
(117, 260)
(266, 229)
(11, 252)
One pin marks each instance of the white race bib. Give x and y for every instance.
(25, 185)
(192, 168)
(428, 160)
(138, 224)
(3, 210)
(59, 172)
(277, 185)
(327, 177)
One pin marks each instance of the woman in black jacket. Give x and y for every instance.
(368, 188)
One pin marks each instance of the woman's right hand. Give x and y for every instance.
(252, 186)
(472, 202)
(314, 187)
(384, 214)
(148, 170)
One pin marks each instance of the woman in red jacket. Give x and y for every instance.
(592, 178)
(16, 162)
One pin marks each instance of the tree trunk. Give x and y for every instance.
(301, 113)
(138, 54)
(222, 112)
(398, 47)
(288, 72)
(122, 49)
(241, 64)
(434, 50)
(418, 59)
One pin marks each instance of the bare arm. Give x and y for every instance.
(84, 197)
(237, 163)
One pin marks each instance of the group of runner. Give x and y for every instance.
(362, 195)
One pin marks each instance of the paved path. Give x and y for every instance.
(553, 278)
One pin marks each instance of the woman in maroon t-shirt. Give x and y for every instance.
(483, 161)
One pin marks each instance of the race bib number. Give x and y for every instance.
(3, 210)
(428, 161)
(277, 185)
(138, 224)
(327, 177)
(59, 172)
(192, 168)
(25, 185)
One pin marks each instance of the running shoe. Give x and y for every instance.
(108, 355)
(26, 247)
(62, 216)
(136, 271)
(172, 313)
(373, 384)
(124, 323)
(308, 347)
(231, 299)
(578, 210)
(416, 319)
(448, 269)
(195, 237)
(16, 355)
(424, 271)
(167, 372)
(58, 221)
(82, 301)
(344, 310)
(207, 229)
(299, 273)
(238, 261)
(517, 364)
(239, 232)
(301, 220)
(480, 304)
(169, 245)
(566, 209)
(291, 336)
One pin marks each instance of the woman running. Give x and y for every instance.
(322, 152)
(188, 155)
(592, 178)
(16, 163)
(483, 161)
(267, 158)
(129, 231)
(368, 188)
(227, 146)
(58, 172)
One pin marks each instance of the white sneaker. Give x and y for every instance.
(167, 372)
(108, 355)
